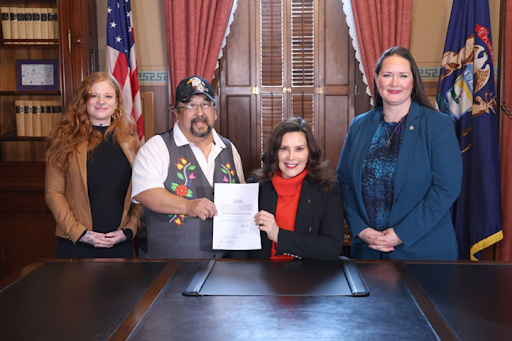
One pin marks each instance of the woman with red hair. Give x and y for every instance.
(89, 161)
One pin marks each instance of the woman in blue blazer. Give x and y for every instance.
(400, 170)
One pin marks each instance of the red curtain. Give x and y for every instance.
(504, 247)
(380, 24)
(194, 33)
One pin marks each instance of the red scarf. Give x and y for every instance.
(288, 194)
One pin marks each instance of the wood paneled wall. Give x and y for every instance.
(241, 90)
(27, 227)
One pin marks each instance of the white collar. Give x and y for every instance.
(181, 140)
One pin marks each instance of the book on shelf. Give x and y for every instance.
(6, 23)
(20, 118)
(29, 126)
(29, 23)
(36, 23)
(56, 112)
(29, 30)
(44, 23)
(21, 24)
(46, 118)
(51, 23)
(36, 117)
(13, 12)
(56, 23)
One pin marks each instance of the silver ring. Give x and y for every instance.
(263, 223)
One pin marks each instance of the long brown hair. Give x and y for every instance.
(418, 94)
(75, 128)
(319, 172)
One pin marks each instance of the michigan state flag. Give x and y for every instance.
(467, 92)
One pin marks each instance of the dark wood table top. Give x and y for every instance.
(142, 300)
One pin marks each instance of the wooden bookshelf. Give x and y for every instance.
(26, 225)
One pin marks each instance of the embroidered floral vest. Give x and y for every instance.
(177, 235)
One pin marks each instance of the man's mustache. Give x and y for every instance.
(200, 119)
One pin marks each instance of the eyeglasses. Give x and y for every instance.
(193, 107)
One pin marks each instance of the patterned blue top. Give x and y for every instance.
(378, 171)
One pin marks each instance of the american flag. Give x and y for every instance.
(121, 60)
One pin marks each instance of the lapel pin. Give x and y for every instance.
(309, 201)
(411, 128)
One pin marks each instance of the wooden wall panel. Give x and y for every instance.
(21, 175)
(237, 107)
(239, 128)
(27, 227)
(336, 128)
(337, 44)
(239, 51)
(15, 200)
(27, 239)
(161, 112)
(335, 105)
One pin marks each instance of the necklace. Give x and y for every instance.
(393, 133)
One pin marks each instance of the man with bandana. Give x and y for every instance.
(174, 175)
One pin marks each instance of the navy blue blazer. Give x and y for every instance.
(427, 181)
(319, 228)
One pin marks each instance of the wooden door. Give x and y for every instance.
(79, 44)
(287, 58)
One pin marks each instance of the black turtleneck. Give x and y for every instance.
(108, 178)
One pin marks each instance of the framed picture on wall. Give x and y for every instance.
(37, 75)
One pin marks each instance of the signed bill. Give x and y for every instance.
(234, 227)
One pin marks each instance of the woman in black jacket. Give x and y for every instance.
(299, 200)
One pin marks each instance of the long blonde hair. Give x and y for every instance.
(75, 128)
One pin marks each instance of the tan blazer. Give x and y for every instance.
(68, 199)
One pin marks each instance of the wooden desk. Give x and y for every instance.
(142, 300)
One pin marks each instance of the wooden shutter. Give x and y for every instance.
(287, 58)
(272, 67)
(302, 59)
(303, 42)
(271, 28)
(289, 66)
(303, 105)
(271, 114)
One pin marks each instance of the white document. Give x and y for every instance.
(234, 227)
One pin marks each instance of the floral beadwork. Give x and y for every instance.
(226, 169)
(183, 190)
(179, 219)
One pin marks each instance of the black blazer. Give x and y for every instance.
(319, 225)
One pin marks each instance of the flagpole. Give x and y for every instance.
(501, 66)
